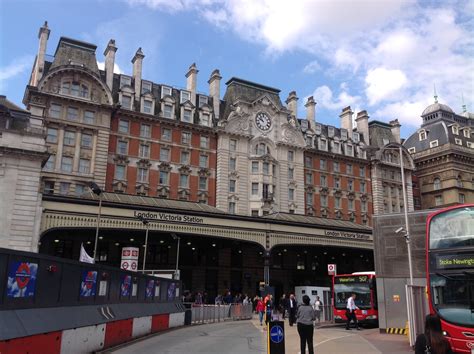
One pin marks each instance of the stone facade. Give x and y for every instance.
(22, 153)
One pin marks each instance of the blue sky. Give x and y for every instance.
(382, 56)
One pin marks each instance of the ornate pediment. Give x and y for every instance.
(364, 197)
(119, 186)
(309, 188)
(324, 212)
(337, 192)
(351, 195)
(185, 169)
(184, 192)
(164, 166)
(142, 188)
(144, 163)
(238, 121)
(233, 197)
(204, 172)
(234, 174)
(121, 159)
(267, 102)
(188, 104)
(324, 190)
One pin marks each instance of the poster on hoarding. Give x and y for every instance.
(88, 283)
(149, 288)
(157, 289)
(171, 291)
(22, 279)
(126, 285)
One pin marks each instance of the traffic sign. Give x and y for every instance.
(332, 269)
(276, 334)
(276, 337)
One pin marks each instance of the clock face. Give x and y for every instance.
(263, 121)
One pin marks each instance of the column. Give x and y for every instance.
(94, 152)
(77, 151)
(59, 153)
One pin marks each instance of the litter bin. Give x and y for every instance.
(188, 317)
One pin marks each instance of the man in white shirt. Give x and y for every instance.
(350, 312)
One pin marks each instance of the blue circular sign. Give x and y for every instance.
(276, 334)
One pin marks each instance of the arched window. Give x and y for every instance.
(437, 183)
(75, 88)
(261, 149)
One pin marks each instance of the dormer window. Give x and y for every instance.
(205, 119)
(349, 150)
(356, 137)
(75, 88)
(146, 87)
(309, 140)
(336, 147)
(125, 81)
(317, 129)
(187, 115)
(165, 91)
(323, 144)
(203, 100)
(422, 135)
(412, 150)
(458, 141)
(167, 111)
(433, 143)
(126, 102)
(343, 134)
(330, 132)
(185, 96)
(467, 133)
(455, 129)
(147, 106)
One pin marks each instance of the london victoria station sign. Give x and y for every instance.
(169, 217)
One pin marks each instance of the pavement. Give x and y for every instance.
(242, 337)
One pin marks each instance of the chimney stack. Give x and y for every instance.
(395, 127)
(310, 109)
(43, 36)
(346, 119)
(110, 63)
(137, 72)
(215, 91)
(292, 103)
(191, 82)
(362, 122)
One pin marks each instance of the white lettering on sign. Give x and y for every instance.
(169, 217)
(344, 234)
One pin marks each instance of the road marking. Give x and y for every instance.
(329, 339)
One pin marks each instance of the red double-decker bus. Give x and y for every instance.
(450, 273)
(363, 285)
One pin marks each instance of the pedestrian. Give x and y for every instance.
(350, 312)
(433, 340)
(260, 310)
(283, 305)
(304, 322)
(228, 298)
(268, 308)
(292, 307)
(318, 307)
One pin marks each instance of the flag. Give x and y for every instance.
(84, 257)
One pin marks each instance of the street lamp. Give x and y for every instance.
(97, 191)
(176, 237)
(145, 222)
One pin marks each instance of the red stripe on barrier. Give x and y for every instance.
(160, 322)
(118, 332)
(48, 343)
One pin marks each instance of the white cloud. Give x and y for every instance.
(101, 66)
(312, 67)
(381, 83)
(407, 112)
(324, 97)
(17, 67)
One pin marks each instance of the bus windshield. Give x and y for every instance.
(453, 297)
(343, 291)
(454, 228)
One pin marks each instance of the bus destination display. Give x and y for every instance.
(351, 280)
(455, 261)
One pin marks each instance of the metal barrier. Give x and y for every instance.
(201, 314)
(327, 314)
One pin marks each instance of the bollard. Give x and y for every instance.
(276, 337)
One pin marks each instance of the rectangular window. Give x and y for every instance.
(52, 135)
(185, 96)
(183, 181)
(322, 164)
(308, 162)
(232, 186)
(185, 138)
(438, 200)
(144, 151)
(205, 119)
(84, 166)
(86, 140)
(291, 173)
(123, 126)
(187, 115)
(142, 175)
(349, 169)
(233, 145)
(50, 163)
(89, 117)
(330, 131)
(324, 200)
(48, 187)
(350, 185)
(167, 111)
(80, 190)
(126, 102)
(458, 141)
(66, 164)
(433, 143)
(164, 154)
(145, 131)
(254, 166)
(231, 207)
(55, 110)
(203, 161)
(165, 91)
(166, 134)
(336, 147)
(337, 183)
(164, 177)
(324, 181)
(291, 194)
(362, 187)
(363, 206)
(120, 172)
(185, 157)
(349, 150)
(291, 155)
(362, 171)
(202, 100)
(125, 81)
(266, 169)
(309, 198)
(147, 106)
(355, 137)
(72, 113)
(254, 188)
(146, 87)
(122, 147)
(462, 198)
(69, 138)
(323, 144)
(337, 202)
(343, 134)
(203, 183)
(317, 129)
(64, 188)
(254, 212)
(204, 142)
(232, 164)
(351, 204)
(466, 133)
(309, 178)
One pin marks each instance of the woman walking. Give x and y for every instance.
(304, 321)
(432, 341)
(260, 310)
